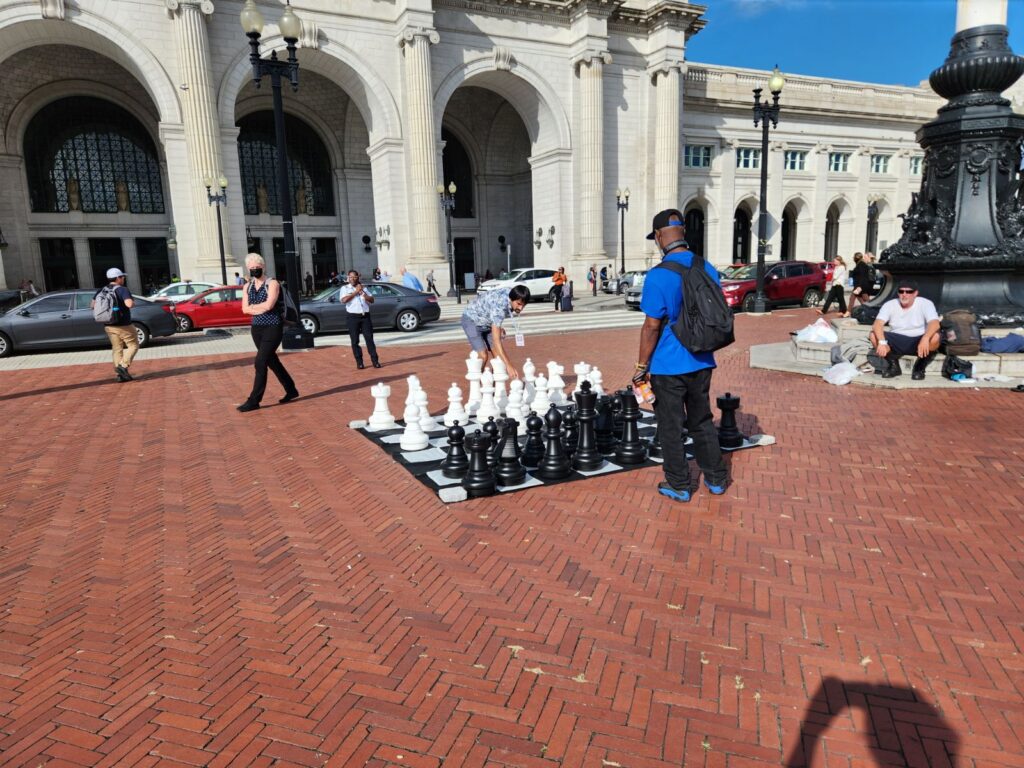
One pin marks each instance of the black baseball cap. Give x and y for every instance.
(906, 282)
(670, 217)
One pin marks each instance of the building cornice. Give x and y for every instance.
(677, 14)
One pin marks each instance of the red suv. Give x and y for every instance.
(785, 282)
(210, 309)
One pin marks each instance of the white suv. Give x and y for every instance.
(537, 281)
(176, 292)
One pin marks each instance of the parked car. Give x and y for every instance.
(620, 283)
(215, 308)
(786, 282)
(634, 292)
(63, 319)
(537, 282)
(176, 292)
(394, 306)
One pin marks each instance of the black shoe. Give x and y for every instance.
(360, 366)
(894, 369)
(122, 373)
(288, 397)
(377, 364)
(919, 367)
(247, 406)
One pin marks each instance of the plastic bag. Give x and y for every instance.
(841, 373)
(819, 331)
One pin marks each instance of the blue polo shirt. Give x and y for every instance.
(662, 297)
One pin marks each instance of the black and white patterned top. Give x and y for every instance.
(272, 317)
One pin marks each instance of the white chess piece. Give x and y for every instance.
(541, 401)
(427, 422)
(529, 377)
(514, 410)
(582, 370)
(455, 410)
(596, 380)
(474, 366)
(413, 438)
(381, 418)
(414, 385)
(487, 407)
(500, 377)
(556, 384)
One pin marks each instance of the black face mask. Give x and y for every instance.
(256, 273)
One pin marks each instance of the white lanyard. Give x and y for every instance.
(520, 339)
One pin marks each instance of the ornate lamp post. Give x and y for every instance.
(765, 113)
(622, 202)
(448, 206)
(220, 199)
(291, 28)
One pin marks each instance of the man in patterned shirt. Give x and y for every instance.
(483, 318)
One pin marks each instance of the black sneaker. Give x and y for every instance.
(288, 397)
(122, 373)
(247, 406)
(893, 370)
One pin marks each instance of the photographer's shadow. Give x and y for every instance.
(901, 728)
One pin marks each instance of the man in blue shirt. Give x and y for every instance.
(681, 379)
(409, 280)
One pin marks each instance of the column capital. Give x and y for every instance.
(666, 68)
(590, 56)
(409, 35)
(205, 6)
(52, 9)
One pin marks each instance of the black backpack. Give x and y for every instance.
(705, 321)
(286, 305)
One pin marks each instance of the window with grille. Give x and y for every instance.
(796, 160)
(880, 163)
(839, 162)
(748, 158)
(697, 156)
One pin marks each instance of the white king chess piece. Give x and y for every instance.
(414, 386)
(381, 418)
(596, 380)
(487, 407)
(474, 367)
(427, 422)
(500, 377)
(455, 410)
(514, 410)
(582, 370)
(556, 384)
(541, 401)
(530, 390)
(413, 438)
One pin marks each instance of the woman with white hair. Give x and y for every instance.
(263, 300)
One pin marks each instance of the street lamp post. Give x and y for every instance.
(220, 199)
(447, 200)
(622, 201)
(765, 113)
(291, 28)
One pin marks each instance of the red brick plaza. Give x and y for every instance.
(182, 584)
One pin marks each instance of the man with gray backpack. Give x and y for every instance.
(112, 306)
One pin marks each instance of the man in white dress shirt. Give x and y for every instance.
(357, 301)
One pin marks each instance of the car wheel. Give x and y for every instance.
(310, 324)
(407, 320)
(142, 332)
(184, 323)
(551, 295)
(748, 303)
(6, 348)
(812, 297)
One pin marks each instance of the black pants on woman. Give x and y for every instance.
(267, 339)
(838, 294)
(558, 297)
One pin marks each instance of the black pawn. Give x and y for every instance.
(604, 426)
(509, 471)
(533, 452)
(571, 434)
(555, 464)
(479, 480)
(456, 463)
(631, 449)
(654, 446)
(729, 435)
(587, 458)
(493, 431)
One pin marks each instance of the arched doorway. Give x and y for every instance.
(832, 232)
(788, 233)
(693, 220)
(741, 235)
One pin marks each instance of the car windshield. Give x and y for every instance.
(325, 293)
(747, 272)
(639, 280)
(503, 275)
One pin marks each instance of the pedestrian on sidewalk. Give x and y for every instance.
(262, 299)
(863, 282)
(309, 284)
(431, 285)
(559, 279)
(357, 301)
(124, 341)
(592, 279)
(837, 289)
(409, 280)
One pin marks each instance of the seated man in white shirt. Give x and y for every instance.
(913, 330)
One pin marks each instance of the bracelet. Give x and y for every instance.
(641, 366)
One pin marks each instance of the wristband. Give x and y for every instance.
(641, 366)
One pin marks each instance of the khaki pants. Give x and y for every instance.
(124, 342)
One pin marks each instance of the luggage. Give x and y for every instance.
(960, 333)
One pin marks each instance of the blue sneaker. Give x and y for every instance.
(667, 490)
(717, 490)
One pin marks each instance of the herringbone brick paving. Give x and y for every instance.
(183, 585)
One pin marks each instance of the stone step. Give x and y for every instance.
(849, 329)
(984, 363)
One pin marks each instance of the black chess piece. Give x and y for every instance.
(509, 470)
(456, 463)
(586, 458)
(479, 480)
(604, 426)
(571, 432)
(555, 464)
(654, 446)
(631, 449)
(617, 415)
(729, 435)
(533, 451)
(493, 430)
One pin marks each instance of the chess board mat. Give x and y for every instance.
(425, 465)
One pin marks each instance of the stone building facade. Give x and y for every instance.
(113, 113)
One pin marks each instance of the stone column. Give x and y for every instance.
(591, 155)
(667, 133)
(83, 263)
(202, 132)
(421, 144)
(130, 257)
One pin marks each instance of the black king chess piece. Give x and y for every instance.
(631, 449)
(571, 434)
(456, 463)
(493, 430)
(587, 458)
(479, 480)
(604, 425)
(729, 435)
(555, 464)
(534, 449)
(509, 470)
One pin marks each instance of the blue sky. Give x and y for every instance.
(895, 42)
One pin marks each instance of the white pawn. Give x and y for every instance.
(413, 438)
(474, 366)
(514, 410)
(582, 370)
(556, 384)
(455, 410)
(596, 380)
(529, 377)
(500, 377)
(541, 401)
(427, 422)
(487, 407)
(381, 418)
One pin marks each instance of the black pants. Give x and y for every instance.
(361, 324)
(431, 288)
(686, 396)
(267, 339)
(558, 297)
(836, 293)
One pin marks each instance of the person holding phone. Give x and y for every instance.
(357, 301)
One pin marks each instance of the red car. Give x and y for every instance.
(785, 282)
(213, 308)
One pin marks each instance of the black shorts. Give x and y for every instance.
(903, 345)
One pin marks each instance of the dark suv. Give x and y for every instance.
(785, 282)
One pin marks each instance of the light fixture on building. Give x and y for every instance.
(172, 234)
(366, 243)
(540, 234)
(249, 242)
(501, 243)
(551, 237)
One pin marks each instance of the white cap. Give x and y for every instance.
(113, 273)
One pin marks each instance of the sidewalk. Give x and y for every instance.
(215, 589)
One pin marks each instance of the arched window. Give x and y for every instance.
(309, 167)
(457, 168)
(88, 154)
